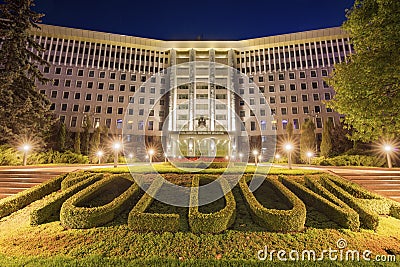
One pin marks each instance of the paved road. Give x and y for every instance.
(16, 179)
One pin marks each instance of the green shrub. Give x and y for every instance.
(9, 157)
(56, 157)
(73, 178)
(13, 203)
(139, 220)
(212, 222)
(202, 165)
(349, 160)
(340, 213)
(51, 207)
(83, 217)
(369, 219)
(395, 210)
(273, 219)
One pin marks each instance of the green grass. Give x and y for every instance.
(115, 244)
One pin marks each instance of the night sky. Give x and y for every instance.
(188, 20)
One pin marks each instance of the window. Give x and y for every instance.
(102, 74)
(141, 112)
(317, 109)
(91, 73)
(273, 111)
(69, 72)
(183, 96)
(261, 89)
(109, 110)
(283, 99)
(65, 95)
(292, 87)
(242, 113)
(79, 84)
(111, 87)
(58, 71)
(112, 75)
(143, 79)
(110, 98)
(141, 101)
(283, 111)
(88, 97)
(282, 87)
(327, 96)
(306, 110)
(133, 77)
(67, 83)
(108, 123)
(251, 90)
(292, 76)
(326, 85)
(153, 79)
(295, 110)
(64, 107)
(143, 89)
(253, 126)
(262, 100)
(324, 73)
(46, 70)
(53, 94)
(130, 111)
(73, 121)
(302, 74)
(314, 85)
(122, 87)
(271, 77)
(262, 112)
(293, 98)
(319, 122)
(303, 86)
(98, 109)
(272, 100)
(271, 88)
(99, 98)
(313, 73)
(121, 99)
(304, 98)
(260, 79)
(120, 111)
(151, 101)
(123, 77)
(131, 99)
(281, 76)
(90, 85)
(132, 88)
(43, 92)
(56, 82)
(252, 102)
(152, 90)
(316, 97)
(296, 124)
(86, 108)
(52, 106)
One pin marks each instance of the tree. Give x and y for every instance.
(95, 142)
(307, 138)
(368, 85)
(326, 143)
(23, 110)
(77, 143)
(62, 134)
(289, 131)
(340, 141)
(86, 135)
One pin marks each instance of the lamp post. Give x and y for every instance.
(255, 154)
(289, 149)
(388, 150)
(165, 157)
(117, 147)
(240, 156)
(151, 153)
(25, 149)
(99, 154)
(277, 157)
(309, 155)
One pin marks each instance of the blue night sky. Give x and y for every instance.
(185, 20)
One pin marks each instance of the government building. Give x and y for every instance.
(193, 98)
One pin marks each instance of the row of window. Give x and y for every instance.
(291, 76)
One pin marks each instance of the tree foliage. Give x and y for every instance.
(23, 110)
(289, 131)
(307, 138)
(77, 143)
(368, 85)
(326, 143)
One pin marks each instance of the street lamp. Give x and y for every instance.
(99, 154)
(116, 147)
(240, 156)
(309, 155)
(289, 149)
(25, 149)
(388, 150)
(165, 157)
(151, 153)
(277, 157)
(255, 153)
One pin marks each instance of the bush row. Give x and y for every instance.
(139, 220)
(340, 213)
(202, 165)
(50, 209)
(369, 219)
(350, 160)
(273, 219)
(74, 178)
(84, 217)
(212, 222)
(13, 203)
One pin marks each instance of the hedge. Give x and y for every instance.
(139, 220)
(18, 201)
(202, 165)
(273, 219)
(51, 207)
(369, 218)
(84, 217)
(350, 160)
(340, 213)
(212, 222)
(73, 178)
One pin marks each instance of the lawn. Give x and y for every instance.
(115, 244)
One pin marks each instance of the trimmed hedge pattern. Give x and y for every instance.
(273, 219)
(13, 203)
(213, 222)
(84, 217)
(74, 178)
(51, 208)
(139, 220)
(340, 213)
